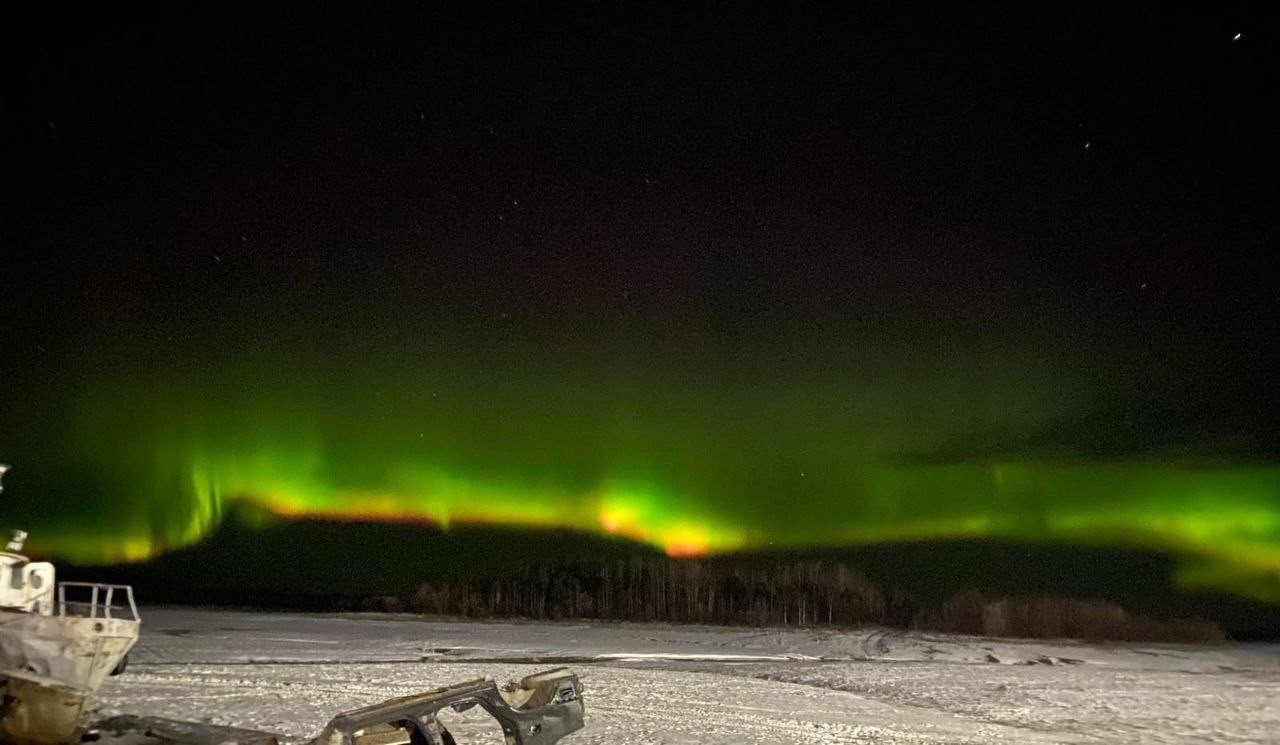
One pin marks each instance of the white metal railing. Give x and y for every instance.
(105, 601)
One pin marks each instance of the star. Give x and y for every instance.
(1236, 37)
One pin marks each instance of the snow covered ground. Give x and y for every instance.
(656, 683)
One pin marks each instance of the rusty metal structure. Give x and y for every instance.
(539, 710)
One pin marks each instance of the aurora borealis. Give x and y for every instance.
(665, 473)
(819, 283)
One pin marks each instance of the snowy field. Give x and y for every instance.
(647, 684)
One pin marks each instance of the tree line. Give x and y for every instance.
(802, 593)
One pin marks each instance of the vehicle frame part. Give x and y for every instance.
(539, 710)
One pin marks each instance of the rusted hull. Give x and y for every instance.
(41, 713)
(51, 666)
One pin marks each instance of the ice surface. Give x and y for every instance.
(656, 683)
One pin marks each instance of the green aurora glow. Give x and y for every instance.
(156, 469)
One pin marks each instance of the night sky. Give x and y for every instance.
(710, 278)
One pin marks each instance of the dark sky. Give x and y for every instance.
(1102, 178)
(814, 233)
